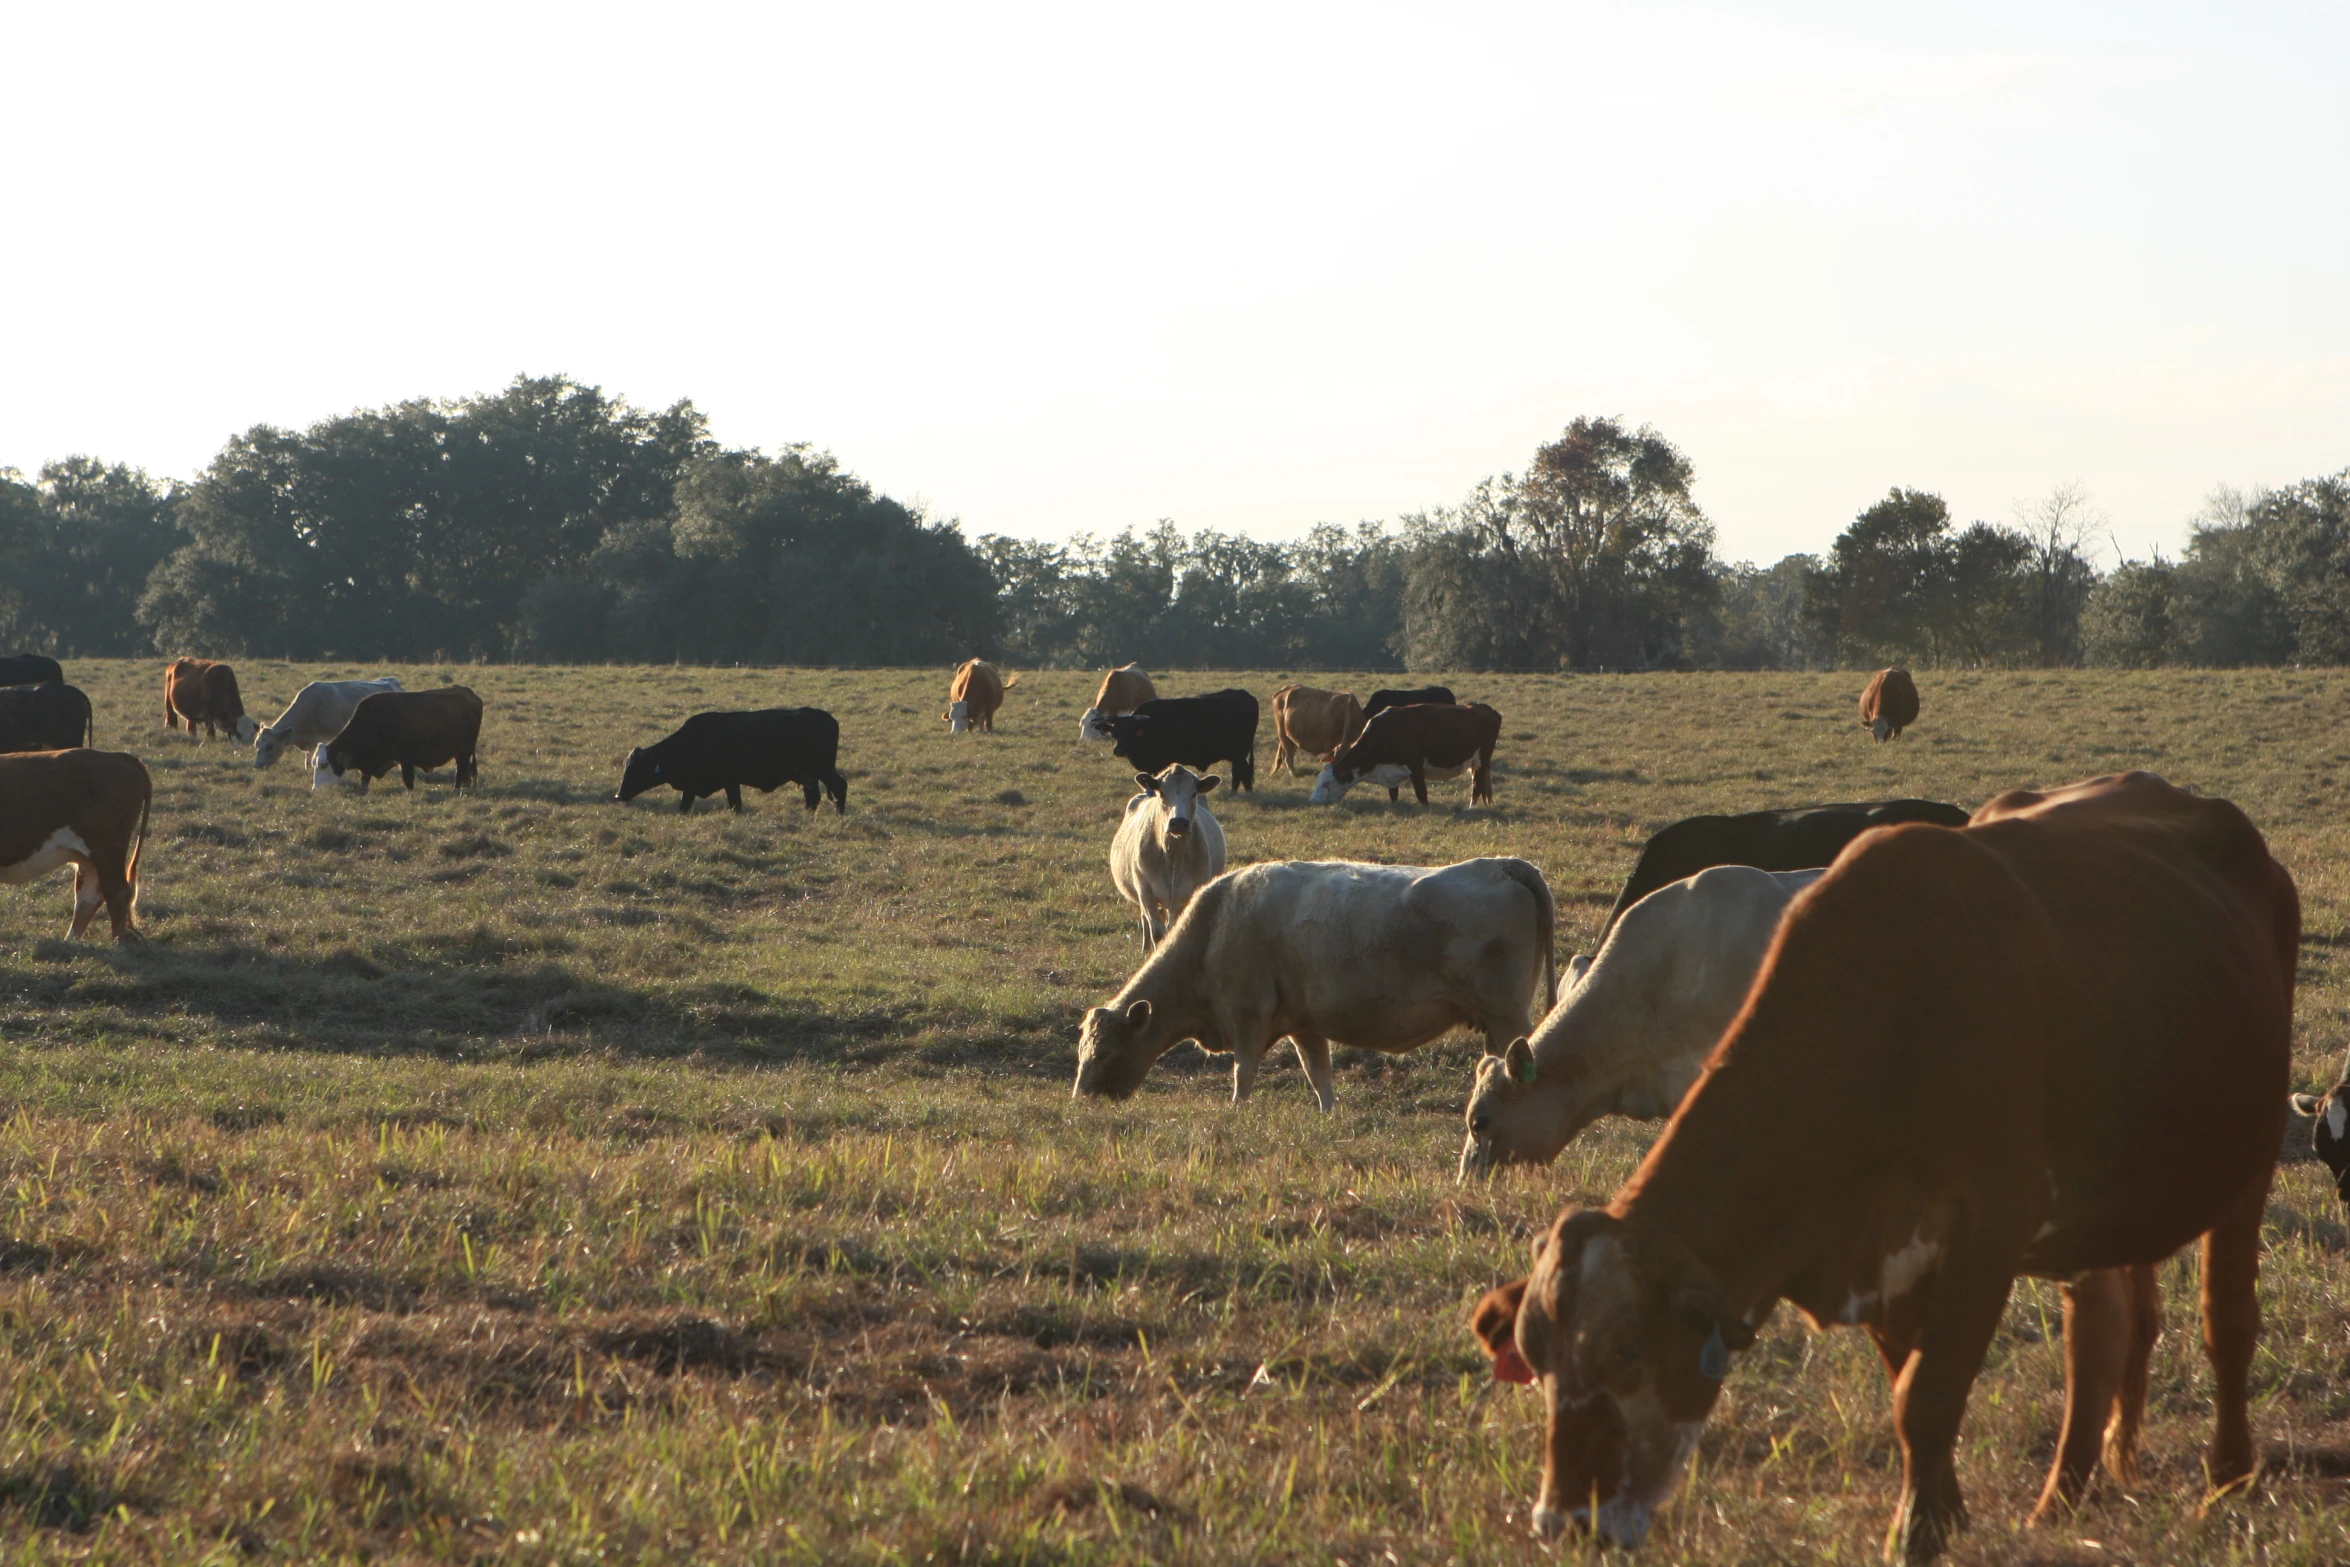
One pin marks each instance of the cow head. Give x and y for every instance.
(1626, 1333)
(1179, 791)
(244, 729)
(1115, 1049)
(325, 774)
(268, 745)
(1881, 727)
(1122, 730)
(1095, 725)
(958, 717)
(642, 772)
(2331, 1134)
(1513, 1117)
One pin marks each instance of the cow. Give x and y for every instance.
(718, 753)
(316, 715)
(83, 808)
(1382, 700)
(1798, 838)
(51, 716)
(1198, 731)
(1416, 743)
(1168, 846)
(1381, 957)
(29, 669)
(1123, 690)
(1312, 722)
(204, 691)
(2329, 1130)
(974, 696)
(408, 730)
(1890, 704)
(1634, 1029)
(1961, 1047)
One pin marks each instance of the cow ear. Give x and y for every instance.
(1208, 784)
(1148, 784)
(1496, 1326)
(1518, 1060)
(1699, 1308)
(1138, 1014)
(2305, 1106)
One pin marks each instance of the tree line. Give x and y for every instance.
(549, 522)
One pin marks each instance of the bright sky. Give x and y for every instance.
(1249, 267)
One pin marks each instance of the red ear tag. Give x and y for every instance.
(1510, 1366)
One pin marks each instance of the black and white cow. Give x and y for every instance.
(1198, 731)
(718, 753)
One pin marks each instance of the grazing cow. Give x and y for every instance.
(1313, 723)
(1198, 731)
(1890, 704)
(409, 730)
(718, 753)
(204, 691)
(1123, 690)
(51, 716)
(87, 809)
(2329, 1132)
(1381, 957)
(1960, 1050)
(1636, 1026)
(974, 696)
(1168, 846)
(29, 669)
(1416, 743)
(316, 715)
(1382, 700)
(1796, 839)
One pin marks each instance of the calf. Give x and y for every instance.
(718, 753)
(1381, 957)
(1168, 845)
(205, 692)
(973, 697)
(1416, 743)
(316, 715)
(1312, 722)
(1796, 839)
(87, 809)
(29, 669)
(1890, 704)
(1382, 700)
(1198, 731)
(51, 716)
(1636, 1026)
(1123, 690)
(410, 730)
(1947, 1075)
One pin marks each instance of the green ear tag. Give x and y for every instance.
(1527, 1075)
(1713, 1361)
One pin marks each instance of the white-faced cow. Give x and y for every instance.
(1412, 745)
(1123, 690)
(1381, 957)
(1961, 1049)
(316, 715)
(1168, 846)
(86, 809)
(204, 692)
(720, 753)
(973, 697)
(410, 730)
(1889, 704)
(1311, 722)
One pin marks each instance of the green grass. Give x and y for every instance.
(532, 1178)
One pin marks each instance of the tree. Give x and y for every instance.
(2133, 618)
(2061, 529)
(2300, 541)
(1875, 597)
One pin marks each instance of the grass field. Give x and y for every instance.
(528, 1177)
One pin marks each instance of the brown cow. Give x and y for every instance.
(1890, 704)
(1420, 742)
(1123, 690)
(974, 697)
(1960, 1049)
(1312, 722)
(87, 809)
(410, 730)
(205, 692)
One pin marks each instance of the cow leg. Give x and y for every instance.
(407, 777)
(812, 792)
(2121, 1437)
(685, 801)
(1419, 783)
(171, 717)
(2096, 1354)
(2231, 1328)
(838, 787)
(734, 798)
(1313, 1053)
(1393, 795)
(1929, 1397)
(86, 898)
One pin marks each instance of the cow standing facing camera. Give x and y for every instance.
(1168, 846)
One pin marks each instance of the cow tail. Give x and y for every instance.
(130, 871)
(1546, 913)
(89, 724)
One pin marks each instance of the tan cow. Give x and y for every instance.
(1167, 847)
(205, 692)
(974, 697)
(1890, 704)
(1123, 690)
(1311, 722)
(87, 809)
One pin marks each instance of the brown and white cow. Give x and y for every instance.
(1415, 744)
(1950, 1072)
(1890, 704)
(1123, 690)
(87, 809)
(1311, 722)
(203, 691)
(974, 696)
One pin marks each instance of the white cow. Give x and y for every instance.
(1381, 957)
(315, 715)
(1168, 847)
(1638, 1020)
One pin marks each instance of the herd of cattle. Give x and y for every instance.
(1906, 1052)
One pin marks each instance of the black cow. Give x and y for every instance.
(718, 753)
(2329, 1131)
(51, 716)
(410, 730)
(1791, 840)
(1441, 695)
(1198, 731)
(29, 669)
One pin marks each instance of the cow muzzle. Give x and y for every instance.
(1179, 827)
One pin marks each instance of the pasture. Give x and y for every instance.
(527, 1177)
